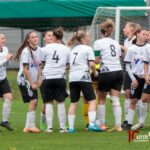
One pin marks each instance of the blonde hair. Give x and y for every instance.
(107, 27)
(76, 37)
(135, 27)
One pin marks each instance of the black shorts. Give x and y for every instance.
(137, 93)
(85, 87)
(127, 81)
(54, 89)
(110, 80)
(28, 93)
(4, 87)
(146, 88)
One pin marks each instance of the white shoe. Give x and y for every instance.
(137, 126)
(48, 130)
(63, 130)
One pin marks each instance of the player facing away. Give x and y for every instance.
(48, 38)
(29, 77)
(81, 60)
(129, 31)
(108, 52)
(135, 68)
(55, 60)
(5, 90)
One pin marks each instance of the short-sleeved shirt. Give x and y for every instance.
(147, 56)
(110, 53)
(79, 63)
(3, 62)
(26, 58)
(128, 42)
(56, 56)
(135, 57)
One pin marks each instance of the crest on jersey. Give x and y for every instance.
(132, 91)
(30, 93)
(145, 85)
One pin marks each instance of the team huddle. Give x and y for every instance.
(95, 72)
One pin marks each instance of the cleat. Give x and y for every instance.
(127, 127)
(63, 130)
(137, 126)
(119, 129)
(94, 128)
(49, 130)
(6, 125)
(87, 127)
(103, 127)
(34, 130)
(43, 126)
(72, 131)
(124, 123)
(26, 130)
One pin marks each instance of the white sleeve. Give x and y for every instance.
(128, 69)
(91, 56)
(25, 57)
(43, 58)
(96, 46)
(2, 62)
(128, 57)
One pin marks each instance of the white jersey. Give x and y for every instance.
(147, 57)
(128, 42)
(56, 56)
(135, 55)
(110, 53)
(26, 58)
(79, 63)
(3, 63)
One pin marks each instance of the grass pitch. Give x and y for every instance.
(82, 140)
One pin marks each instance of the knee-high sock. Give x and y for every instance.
(6, 109)
(143, 113)
(126, 107)
(101, 114)
(49, 115)
(130, 116)
(85, 112)
(71, 119)
(61, 111)
(139, 109)
(117, 114)
(92, 117)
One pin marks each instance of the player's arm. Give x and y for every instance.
(8, 57)
(39, 76)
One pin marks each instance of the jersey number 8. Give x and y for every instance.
(113, 52)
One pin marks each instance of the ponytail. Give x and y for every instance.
(22, 46)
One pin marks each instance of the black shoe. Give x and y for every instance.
(6, 125)
(127, 127)
(124, 123)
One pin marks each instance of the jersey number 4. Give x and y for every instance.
(113, 52)
(55, 57)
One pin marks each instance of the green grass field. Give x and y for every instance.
(82, 140)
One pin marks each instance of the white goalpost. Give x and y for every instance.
(120, 15)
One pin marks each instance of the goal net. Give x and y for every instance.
(120, 15)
